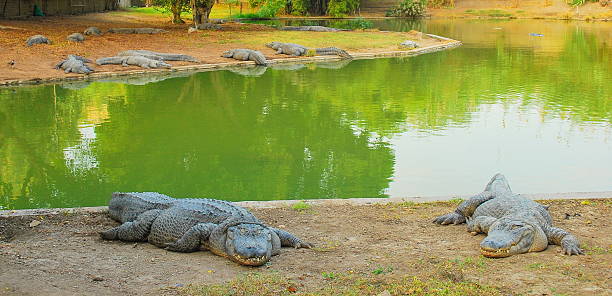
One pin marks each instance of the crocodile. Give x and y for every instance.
(76, 37)
(37, 39)
(92, 31)
(74, 64)
(192, 224)
(513, 224)
(159, 56)
(300, 50)
(140, 61)
(311, 28)
(246, 55)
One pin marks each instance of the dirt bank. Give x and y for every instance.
(63, 255)
(37, 62)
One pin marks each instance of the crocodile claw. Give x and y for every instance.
(449, 218)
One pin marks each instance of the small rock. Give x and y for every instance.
(179, 285)
(97, 279)
(76, 37)
(35, 223)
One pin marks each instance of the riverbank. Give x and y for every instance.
(525, 9)
(365, 247)
(35, 64)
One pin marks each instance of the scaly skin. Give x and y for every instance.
(513, 224)
(140, 61)
(246, 55)
(37, 39)
(74, 64)
(187, 225)
(159, 56)
(299, 50)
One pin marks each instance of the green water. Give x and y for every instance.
(538, 109)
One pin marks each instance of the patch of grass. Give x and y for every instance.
(456, 200)
(381, 270)
(338, 284)
(345, 40)
(301, 206)
(596, 250)
(489, 12)
(329, 275)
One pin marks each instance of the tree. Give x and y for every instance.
(201, 10)
(174, 6)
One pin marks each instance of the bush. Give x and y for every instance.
(271, 8)
(408, 8)
(342, 8)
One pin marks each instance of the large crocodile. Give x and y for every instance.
(300, 50)
(140, 61)
(159, 56)
(246, 55)
(187, 225)
(74, 64)
(513, 224)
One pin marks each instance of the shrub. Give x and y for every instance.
(409, 8)
(342, 8)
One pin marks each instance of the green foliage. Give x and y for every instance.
(175, 7)
(579, 2)
(271, 8)
(381, 270)
(342, 8)
(245, 16)
(329, 275)
(441, 3)
(256, 3)
(299, 7)
(408, 8)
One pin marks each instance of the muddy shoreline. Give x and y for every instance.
(62, 254)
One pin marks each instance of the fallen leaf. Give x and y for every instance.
(34, 223)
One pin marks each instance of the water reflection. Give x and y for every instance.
(437, 124)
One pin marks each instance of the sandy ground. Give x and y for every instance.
(38, 61)
(64, 255)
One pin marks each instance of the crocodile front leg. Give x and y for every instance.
(192, 239)
(289, 240)
(480, 224)
(465, 209)
(568, 242)
(135, 231)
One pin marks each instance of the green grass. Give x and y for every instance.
(333, 283)
(489, 12)
(301, 206)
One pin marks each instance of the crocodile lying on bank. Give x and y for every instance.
(37, 39)
(188, 225)
(300, 50)
(159, 56)
(74, 64)
(92, 31)
(246, 55)
(76, 37)
(311, 28)
(513, 224)
(140, 61)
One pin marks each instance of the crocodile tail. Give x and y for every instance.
(333, 51)
(110, 60)
(498, 184)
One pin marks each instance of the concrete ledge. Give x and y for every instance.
(321, 202)
(448, 43)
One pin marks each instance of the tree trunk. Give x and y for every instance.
(176, 9)
(201, 10)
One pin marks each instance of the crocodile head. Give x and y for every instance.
(247, 243)
(507, 237)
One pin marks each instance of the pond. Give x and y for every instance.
(538, 109)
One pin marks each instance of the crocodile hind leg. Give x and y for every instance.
(465, 209)
(568, 242)
(289, 240)
(136, 231)
(192, 239)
